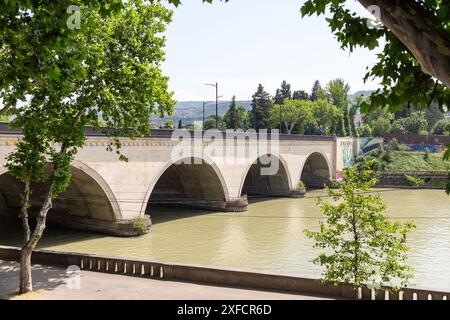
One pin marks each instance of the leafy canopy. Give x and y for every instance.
(56, 81)
(361, 245)
(402, 80)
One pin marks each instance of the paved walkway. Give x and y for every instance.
(51, 281)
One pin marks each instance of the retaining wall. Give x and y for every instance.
(214, 276)
(432, 179)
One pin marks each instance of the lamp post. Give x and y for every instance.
(216, 85)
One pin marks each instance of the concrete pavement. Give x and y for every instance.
(52, 284)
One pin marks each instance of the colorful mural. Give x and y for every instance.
(347, 155)
(368, 144)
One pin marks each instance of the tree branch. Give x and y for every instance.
(419, 32)
(5, 109)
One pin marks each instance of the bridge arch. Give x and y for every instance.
(88, 196)
(316, 170)
(254, 183)
(194, 181)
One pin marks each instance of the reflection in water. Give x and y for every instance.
(269, 237)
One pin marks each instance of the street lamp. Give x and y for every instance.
(203, 117)
(216, 85)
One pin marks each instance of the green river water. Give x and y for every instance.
(269, 237)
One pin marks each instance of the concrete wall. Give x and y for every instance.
(214, 276)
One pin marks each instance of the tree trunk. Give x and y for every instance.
(419, 32)
(27, 249)
(24, 212)
(25, 270)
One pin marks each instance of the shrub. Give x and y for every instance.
(415, 182)
(301, 184)
(140, 225)
(442, 127)
(415, 123)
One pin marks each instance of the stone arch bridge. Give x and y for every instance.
(107, 195)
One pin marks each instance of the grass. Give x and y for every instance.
(414, 161)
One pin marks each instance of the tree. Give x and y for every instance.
(210, 123)
(378, 122)
(66, 78)
(326, 118)
(169, 124)
(283, 93)
(433, 115)
(362, 245)
(232, 116)
(237, 117)
(261, 105)
(180, 124)
(300, 95)
(442, 127)
(293, 113)
(416, 123)
(337, 92)
(315, 91)
(417, 44)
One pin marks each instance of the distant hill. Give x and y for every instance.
(190, 111)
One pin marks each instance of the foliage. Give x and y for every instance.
(433, 115)
(315, 91)
(337, 93)
(283, 93)
(442, 127)
(406, 161)
(292, 113)
(169, 124)
(378, 122)
(210, 123)
(327, 117)
(301, 184)
(236, 116)
(66, 79)
(415, 123)
(411, 85)
(362, 246)
(261, 106)
(414, 181)
(300, 95)
(140, 225)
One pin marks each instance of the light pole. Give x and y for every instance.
(216, 85)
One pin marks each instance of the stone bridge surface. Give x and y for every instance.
(111, 196)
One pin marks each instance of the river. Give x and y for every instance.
(269, 237)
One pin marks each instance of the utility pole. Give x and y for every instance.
(216, 85)
(203, 121)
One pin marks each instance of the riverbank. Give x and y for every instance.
(414, 179)
(50, 283)
(201, 275)
(268, 238)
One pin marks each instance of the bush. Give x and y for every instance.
(380, 127)
(140, 225)
(394, 145)
(442, 127)
(301, 184)
(415, 123)
(415, 182)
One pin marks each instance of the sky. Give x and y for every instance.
(242, 43)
